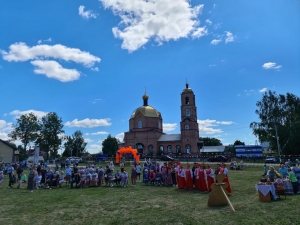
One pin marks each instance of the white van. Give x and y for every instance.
(30, 160)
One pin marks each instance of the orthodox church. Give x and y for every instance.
(146, 129)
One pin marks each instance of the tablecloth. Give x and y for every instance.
(265, 188)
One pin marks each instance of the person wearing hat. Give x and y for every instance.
(210, 176)
(189, 177)
(271, 174)
(224, 170)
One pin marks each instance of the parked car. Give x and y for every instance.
(218, 158)
(270, 159)
(166, 158)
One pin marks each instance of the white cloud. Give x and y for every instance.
(88, 123)
(53, 69)
(94, 148)
(212, 65)
(169, 126)
(97, 133)
(86, 14)
(88, 140)
(21, 52)
(4, 136)
(263, 90)
(158, 20)
(206, 126)
(47, 40)
(39, 54)
(249, 92)
(95, 69)
(208, 21)
(18, 113)
(120, 136)
(229, 37)
(271, 65)
(96, 100)
(216, 41)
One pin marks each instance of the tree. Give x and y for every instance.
(207, 141)
(26, 129)
(110, 145)
(51, 134)
(279, 122)
(75, 145)
(238, 142)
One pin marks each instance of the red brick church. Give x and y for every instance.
(146, 130)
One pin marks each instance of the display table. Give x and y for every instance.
(264, 191)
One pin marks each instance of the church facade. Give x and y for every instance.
(146, 129)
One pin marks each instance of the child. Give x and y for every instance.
(38, 179)
(133, 176)
(61, 178)
(1, 178)
(124, 175)
(23, 178)
(265, 170)
(111, 178)
(145, 176)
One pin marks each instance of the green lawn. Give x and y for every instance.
(145, 205)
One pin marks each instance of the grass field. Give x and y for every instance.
(145, 205)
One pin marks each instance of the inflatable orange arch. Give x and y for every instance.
(129, 149)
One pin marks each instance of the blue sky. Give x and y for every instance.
(90, 62)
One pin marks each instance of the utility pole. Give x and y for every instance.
(278, 146)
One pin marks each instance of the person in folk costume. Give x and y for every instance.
(164, 173)
(217, 170)
(189, 177)
(210, 176)
(169, 180)
(226, 180)
(181, 183)
(177, 168)
(196, 176)
(202, 178)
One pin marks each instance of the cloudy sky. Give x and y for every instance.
(91, 62)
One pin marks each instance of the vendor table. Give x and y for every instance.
(264, 190)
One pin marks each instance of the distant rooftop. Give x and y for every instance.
(170, 137)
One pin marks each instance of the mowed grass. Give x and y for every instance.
(145, 205)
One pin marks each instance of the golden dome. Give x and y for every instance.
(147, 111)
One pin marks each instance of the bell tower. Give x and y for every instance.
(189, 126)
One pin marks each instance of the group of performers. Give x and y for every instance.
(199, 178)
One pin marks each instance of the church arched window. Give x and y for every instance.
(140, 124)
(187, 112)
(186, 127)
(188, 149)
(169, 149)
(161, 148)
(187, 100)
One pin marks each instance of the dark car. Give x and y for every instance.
(166, 158)
(219, 158)
(270, 159)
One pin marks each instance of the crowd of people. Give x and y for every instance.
(199, 177)
(286, 171)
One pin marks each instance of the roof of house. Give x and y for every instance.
(170, 137)
(213, 149)
(7, 143)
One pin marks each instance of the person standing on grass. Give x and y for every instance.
(181, 178)
(100, 175)
(31, 179)
(19, 173)
(265, 170)
(224, 170)
(9, 171)
(189, 177)
(1, 178)
(210, 177)
(68, 174)
(293, 180)
(283, 171)
(138, 172)
(133, 176)
(173, 172)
